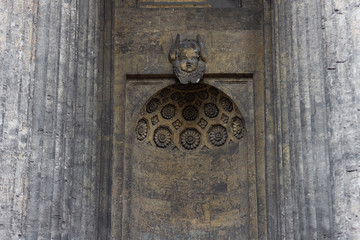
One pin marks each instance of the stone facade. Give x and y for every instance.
(60, 142)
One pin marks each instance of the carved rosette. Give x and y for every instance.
(190, 139)
(176, 96)
(194, 117)
(238, 127)
(153, 105)
(190, 113)
(213, 91)
(211, 110)
(203, 95)
(168, 112)
(189, 97)
(226, 104)
(217, 135)
(142, 129)
(165, 92)
(162, 137)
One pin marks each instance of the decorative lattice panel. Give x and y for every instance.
(190, 118)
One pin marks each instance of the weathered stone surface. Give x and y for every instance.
(316, 54)
(341, 35)
(62, 136)
(49, 119)
(234, 41)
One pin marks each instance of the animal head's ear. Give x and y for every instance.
(203, 52)
(174, 49)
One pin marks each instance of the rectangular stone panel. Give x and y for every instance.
(174, 192)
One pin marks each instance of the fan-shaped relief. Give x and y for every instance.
(142, 129)
(190, 118)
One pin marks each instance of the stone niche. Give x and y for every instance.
(189, 165)
(189, 150)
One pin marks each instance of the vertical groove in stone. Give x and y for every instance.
(277, 117)
(293, 92)
(286, 62)
(105, 117)
(35, 174)
(78, 163)
(275, 36)
(270, 159)
(61, 90)
(90, 203)
(48, 161)
(67, 121)
(270, 145)
(305, 113)
(297, 167)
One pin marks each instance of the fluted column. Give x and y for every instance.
(303, 166)
(50, 127)
(316, 89)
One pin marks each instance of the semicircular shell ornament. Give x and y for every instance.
(188, 58)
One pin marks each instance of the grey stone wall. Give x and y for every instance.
(50, 122)
(17, 34)
(341, 33)
(316, 96)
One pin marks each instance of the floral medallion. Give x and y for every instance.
(153, 105)
(217, 135)
(142, 129)
(175, 96)
(237, 126)
(214, 91)
(168, 112)
(226, 104)
(203, 95)
(165, 92)
(189, 97)
(211, 110)
(190, 113)
(190, 139)
(162, 137)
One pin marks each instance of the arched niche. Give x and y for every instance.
(189, 175)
